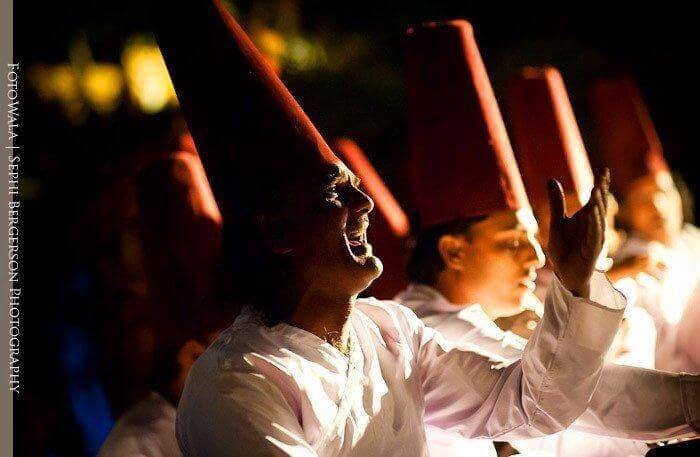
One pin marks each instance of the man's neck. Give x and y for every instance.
(326, 317)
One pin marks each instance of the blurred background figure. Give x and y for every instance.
(548, 144)
(180, 231)
(662, 251)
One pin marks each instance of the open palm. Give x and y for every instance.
(575, 242)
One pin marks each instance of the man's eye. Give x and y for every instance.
(331, 194)
(512, 244)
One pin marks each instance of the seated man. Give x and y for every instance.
(309, 369)
(477, 250)
(651, 211)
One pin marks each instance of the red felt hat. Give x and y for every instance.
(245, 123)
(628, 142)
(463, 162)
(181, 226)
(547, 140)
(389, 226)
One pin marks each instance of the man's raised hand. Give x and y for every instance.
(575, 242)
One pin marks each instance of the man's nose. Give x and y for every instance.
(361, 202)
(534, 253)
(661, 203)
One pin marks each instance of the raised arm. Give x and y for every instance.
(542, 393)
(563, 360)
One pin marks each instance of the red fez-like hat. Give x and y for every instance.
(463, 162)
(389, 226)
(181, 226)
(547, 140)
(246, 124)
(629, 144)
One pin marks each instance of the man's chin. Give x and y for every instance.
(371, 268)
(372, 264)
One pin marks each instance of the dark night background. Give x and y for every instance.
(72, 170)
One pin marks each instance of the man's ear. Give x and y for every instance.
(452, 251)
(273, 231)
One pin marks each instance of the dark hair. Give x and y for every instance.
(251, 274)
(425, 261)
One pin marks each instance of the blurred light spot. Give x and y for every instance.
(147, 77)
(303, 55)
(59, 83)
(272, 45)
(102, 85)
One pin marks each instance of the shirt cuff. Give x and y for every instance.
(602, 292)
(594, 321)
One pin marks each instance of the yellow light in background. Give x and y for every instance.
(59, 83)
(54, 82)
(147, 77)
(271, 43)
(102, 85)
(303, 55)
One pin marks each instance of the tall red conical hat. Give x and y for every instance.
(389, 226)
(463, 161)
(628, 142)
(181, 228)
(547, 140)
(245, 123)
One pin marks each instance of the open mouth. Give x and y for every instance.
(357, 243)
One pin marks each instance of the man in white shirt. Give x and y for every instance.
(309, 369)
(651, 211)
(473, 263)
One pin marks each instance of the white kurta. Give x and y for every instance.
(146, 430)
(283, 391)
(673, 302)
(635, 393)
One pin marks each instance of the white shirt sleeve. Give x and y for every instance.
(542, 393)
(642, 404)
(631, 405)
(244, 415)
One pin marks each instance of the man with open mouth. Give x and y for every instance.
(309, 369)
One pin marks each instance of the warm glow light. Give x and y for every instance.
(147, 77)
(272, 45)
(102, 85)
(59, 83)
(304, 55)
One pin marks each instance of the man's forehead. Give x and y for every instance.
(509, 220)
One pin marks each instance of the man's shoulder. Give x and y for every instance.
(392, 318)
